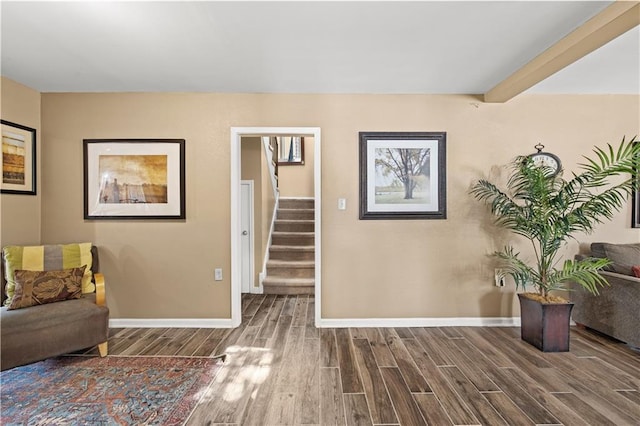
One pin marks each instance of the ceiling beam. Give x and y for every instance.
(615, 20)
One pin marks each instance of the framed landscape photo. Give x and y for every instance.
(18, 159)
(403, 175)
(134, 179)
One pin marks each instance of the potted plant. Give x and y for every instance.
(547, 210)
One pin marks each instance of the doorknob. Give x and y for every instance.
(244, 233)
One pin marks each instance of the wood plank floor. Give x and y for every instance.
(281, 370)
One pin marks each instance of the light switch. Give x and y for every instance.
(218, 274)
(342, 203)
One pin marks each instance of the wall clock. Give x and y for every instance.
(546, 159)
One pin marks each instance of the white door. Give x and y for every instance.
(246, 224)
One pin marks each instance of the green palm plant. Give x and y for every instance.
(548, 211)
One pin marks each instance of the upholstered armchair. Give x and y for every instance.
(53, 303)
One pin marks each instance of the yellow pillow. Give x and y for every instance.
(47, 258)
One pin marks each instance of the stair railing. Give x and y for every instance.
(270, 145)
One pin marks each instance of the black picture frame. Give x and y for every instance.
(19, 172)
(635, 203)
(151, 173)
(387, 191)
(635, 210)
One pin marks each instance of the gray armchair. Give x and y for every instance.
(37, 332)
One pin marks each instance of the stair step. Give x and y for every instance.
(296, 203)
(294, 225)
(289, 281)
(292, 252)
(273, 285)
(291, 269)
(296, 214)
(291, 265)
(296, 248)
(293, 238)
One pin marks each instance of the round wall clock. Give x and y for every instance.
(546, 159)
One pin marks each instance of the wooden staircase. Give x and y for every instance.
(291, 264)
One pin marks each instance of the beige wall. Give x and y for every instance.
(297, 180)
(370, 269)
(251, 156)
(21, 213)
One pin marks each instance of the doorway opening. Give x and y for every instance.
(237, 133)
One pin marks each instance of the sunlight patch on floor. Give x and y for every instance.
(245, 367)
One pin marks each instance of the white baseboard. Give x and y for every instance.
(260, 288)
(421, 322)
(323, 323)
(170, 323)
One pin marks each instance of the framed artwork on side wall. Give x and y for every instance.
(134, 179)
(635, 204)
(403, 175)
(635, 210)
(18, 159)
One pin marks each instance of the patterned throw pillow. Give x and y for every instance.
(40, 287)
(47, 258)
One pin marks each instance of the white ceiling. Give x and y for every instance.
(303, 47)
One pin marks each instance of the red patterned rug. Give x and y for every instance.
(105, 391)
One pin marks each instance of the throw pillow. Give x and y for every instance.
(636, 271)
(623, 256)
(597, 250)
(47, 258)
(41, 287)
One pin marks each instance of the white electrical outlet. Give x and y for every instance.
(342, 203)
(218, 274)
(498, 276)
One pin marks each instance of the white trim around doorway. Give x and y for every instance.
(236, 134)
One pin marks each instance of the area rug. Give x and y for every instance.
(105, 391)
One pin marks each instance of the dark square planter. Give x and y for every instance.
(545, 325)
